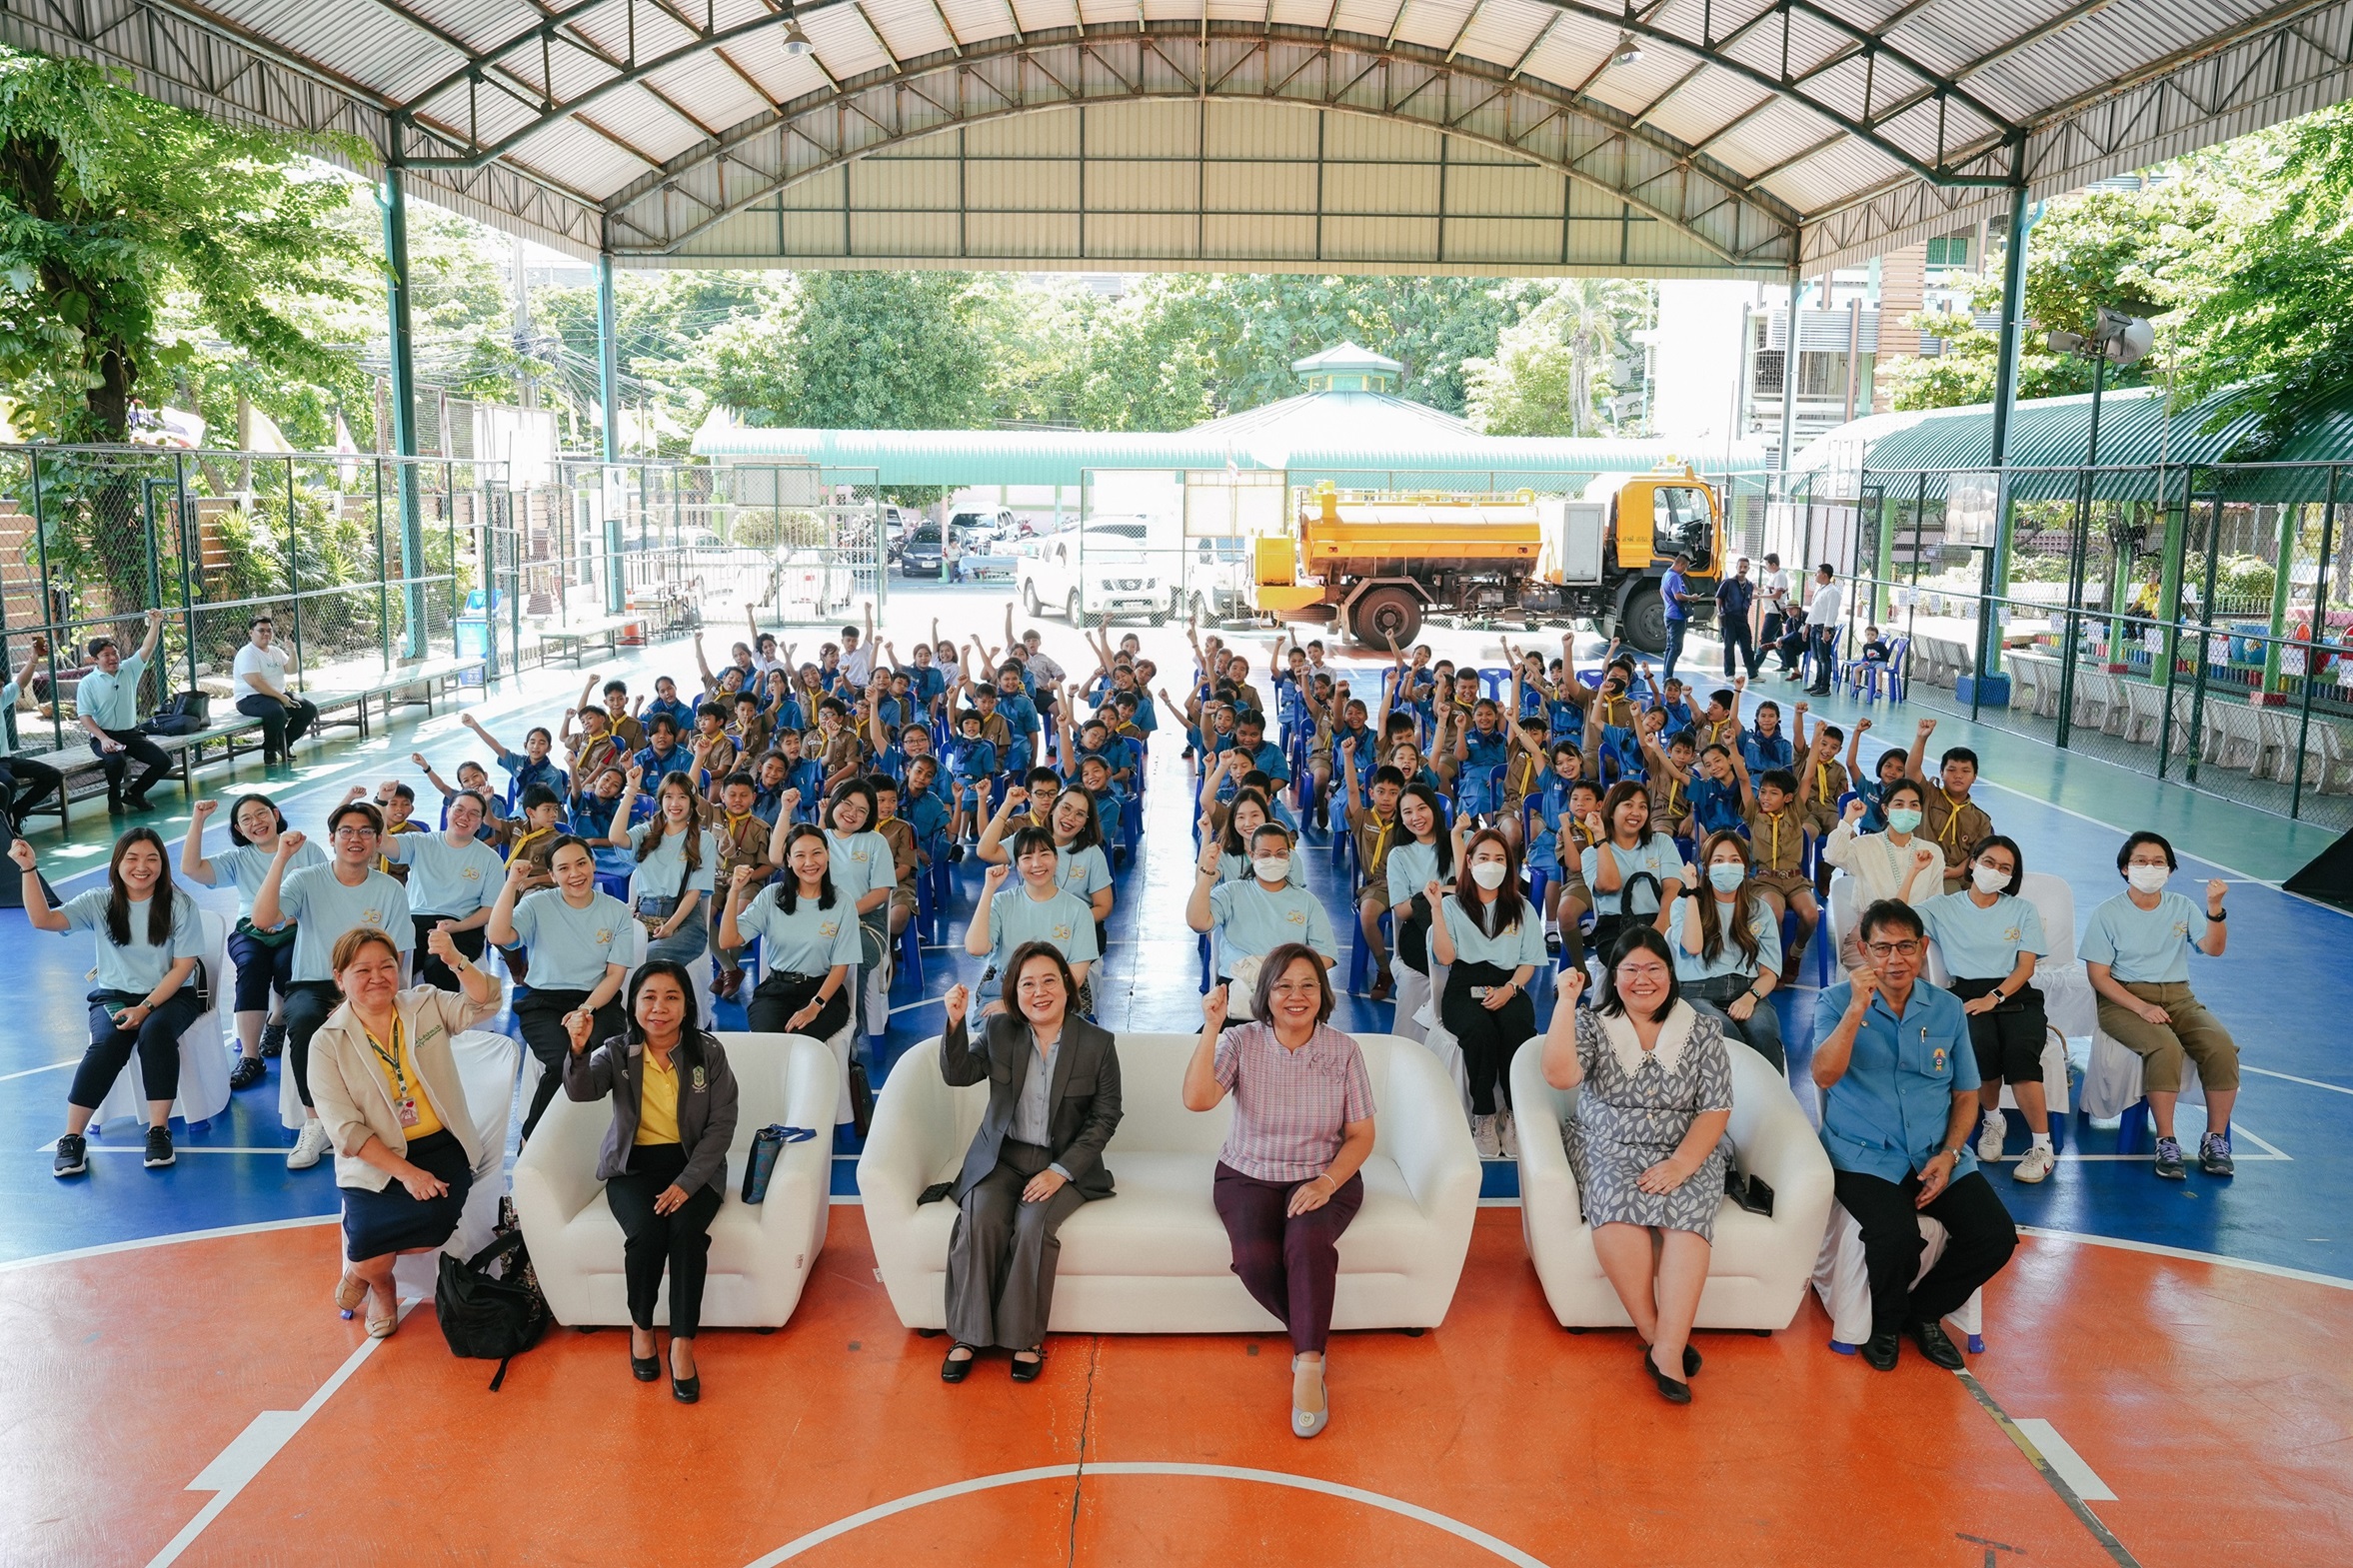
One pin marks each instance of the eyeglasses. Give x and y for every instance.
(355, 832)
(1893, 949)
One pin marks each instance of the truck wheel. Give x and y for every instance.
(1030, 604)
(1387, 618)
(1643, 625)
(1076, 613)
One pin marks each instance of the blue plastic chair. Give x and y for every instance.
(1359, 955)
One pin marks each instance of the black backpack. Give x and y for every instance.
(184, 712)
(491, 1317)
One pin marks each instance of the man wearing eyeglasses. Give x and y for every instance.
(1900, 1096)
(325, 901)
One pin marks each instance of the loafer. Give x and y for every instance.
(1937, 1345)
(1027, 1372)
(956, 1368)
(349, 1291)
(1674, 1391)
(1309, 1423)
(1692, 1362)
(1880, 1351)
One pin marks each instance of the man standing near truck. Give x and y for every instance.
(1733, 596)
(1675, 592)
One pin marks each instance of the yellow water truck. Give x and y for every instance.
(1376, 568)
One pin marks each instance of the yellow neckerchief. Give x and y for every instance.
(1577, 830)
(735, 824)
(1674, 791)
(1381, 841)
(1952, 818)
(515, 848)
(1822, 782)
(1526, 778)
(1774, 858)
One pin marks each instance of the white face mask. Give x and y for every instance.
(1489, 875)
(2149, 878)
(1988, 879)
(1271, 867)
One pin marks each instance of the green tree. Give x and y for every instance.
(856, 351)
(1551, 371)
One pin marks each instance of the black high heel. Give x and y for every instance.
(644, 1368)
(686, 1390)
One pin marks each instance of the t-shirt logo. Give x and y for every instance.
(1062, 931)
(372, 916)
(828, 928)
(604, 935)
(472, 874)
(2181, 927)
(1296, 916)
(2010, 935)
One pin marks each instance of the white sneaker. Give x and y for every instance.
(1483, 1139)
(309, 1147)
(1508, 1134)
(2035, 1165)
(1989, 1137)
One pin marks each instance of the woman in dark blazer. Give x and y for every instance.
(1054, 1100)
(663, 1163)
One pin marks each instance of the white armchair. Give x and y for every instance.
(759, 1254)
(1758, 1267)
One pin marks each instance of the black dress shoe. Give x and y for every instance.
(1026, 1371)
(1936, 1345)
(956, 1368)
(1691, 1357)
(686, 1390)
(1880, 1351)
(646, 1368)
(1671, 1390)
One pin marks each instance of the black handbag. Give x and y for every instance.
(491, 1316)
(768, 1145)
(862, 1097)
(1608, 929)
(183, 713)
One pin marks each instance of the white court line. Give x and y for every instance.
(280, 1150)
(2188, 1255)
(255, 1447)
(106, 1249)
(2310, 1083)
(2081, 1478)
(27, 1072)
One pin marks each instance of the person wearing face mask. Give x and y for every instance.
(1989, 939)
(1727, 945)
(1249, 919)
(1900, 863)
(2137, 952)
(1492, 940)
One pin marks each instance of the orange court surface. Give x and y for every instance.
(2200, 1412)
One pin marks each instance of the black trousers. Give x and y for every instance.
(282, 724)
(431, 970)
(538, 1017)
(1733, 630)
(1487, 1037)
(678, 1241)
(137, 745)
(157, 1040)
(307, 1004)
(25, 784)
(1979, 1238)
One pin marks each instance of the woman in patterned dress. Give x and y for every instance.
(1645, 1141)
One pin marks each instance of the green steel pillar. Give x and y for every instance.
(392, 198)
(2281, 588)
(2005, 399)
(609, 393)
(1884, 567)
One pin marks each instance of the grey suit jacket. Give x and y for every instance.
(1083, 1107)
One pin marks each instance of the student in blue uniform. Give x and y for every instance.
(664, 754)
(452, 877)
(534, 766)
(149, 940)
(581, 943)
(264, 960)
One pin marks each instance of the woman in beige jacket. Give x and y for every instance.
(386, 1088)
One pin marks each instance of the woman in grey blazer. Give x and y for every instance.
(663, 1163)
(1054, 1100)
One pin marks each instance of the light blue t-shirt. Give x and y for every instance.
(1522, 941)
(112, 701)
(570, 947)
(1066, 919)
(245, 866)
(1248, 922)
(1085, 871)
(861, 864)
(1982, 945)
(1658, 857)
(324, 908)
(1693, 966)
(662, 874)
(1237, 868)
(442, 880)
(810, 940)
(2147, 947)
(136, 968)
(1408, 867)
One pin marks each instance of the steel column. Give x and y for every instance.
(392, 198)
(2005, 398)
(608, 390)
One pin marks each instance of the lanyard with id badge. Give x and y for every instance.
(404, 1101)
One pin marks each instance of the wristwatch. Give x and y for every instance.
(1954, 1149)
(2217, 916)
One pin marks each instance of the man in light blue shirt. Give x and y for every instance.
(107, 702)
(1898, 1076)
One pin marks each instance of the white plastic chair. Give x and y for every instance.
(204, 1059)
(486, 1075)
(1845, 1286)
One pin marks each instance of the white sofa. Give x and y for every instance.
(1155, 1259)
(759, 1254)
(485, 1072)
(1759, 1266)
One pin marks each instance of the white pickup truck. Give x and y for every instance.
(1100, 567)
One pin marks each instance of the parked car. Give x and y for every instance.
(1217, 580)
(1102, 567)
(979, 530)
(926, 551)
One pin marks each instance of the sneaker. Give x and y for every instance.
(309, 1147)
(2034, 1166)
(73, 1155)
(247, 1072)
(159, 1148)
(1552, 944)
(1485, 1139)
(1508, 1134)
(1989, 1136)
(2170, 1161)
(273, 1039)
(2214, 1155)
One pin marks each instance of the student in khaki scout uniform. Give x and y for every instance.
(741, 837)
(835, 744)
(900, 835)
(1777, 835)
(597, 749)
(1821, 777)
(396, 800)
(1373, 826)
(715, 753)
(1672, 760)
(1957, 823)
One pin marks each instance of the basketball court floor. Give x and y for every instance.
(2163, 1379)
